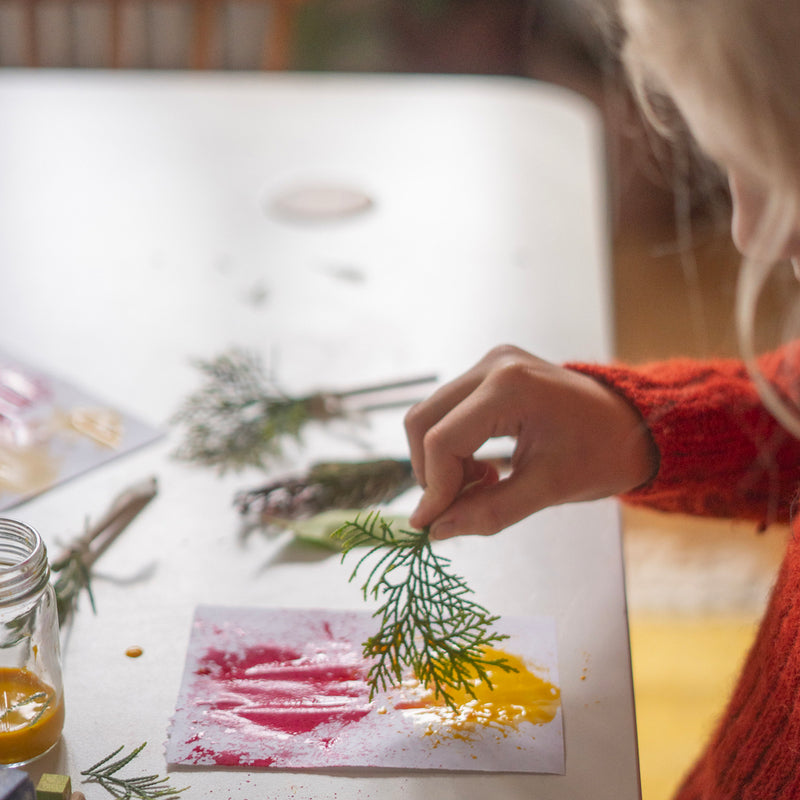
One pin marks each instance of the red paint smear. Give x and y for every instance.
(225, 664)
(228, 758)
(278, 689)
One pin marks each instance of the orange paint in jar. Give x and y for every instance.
(31, 694)
(31, 716)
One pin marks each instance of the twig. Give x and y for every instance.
(75, 564)
(240, 418)
(146, 787)
(327, 486)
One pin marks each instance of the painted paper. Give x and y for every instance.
(51, 430)
(286, 689)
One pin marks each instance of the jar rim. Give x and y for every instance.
(24, 568)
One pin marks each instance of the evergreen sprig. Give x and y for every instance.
(145, 787)
(327, 486)
(74, 576)
(239, 418)
(427, 620)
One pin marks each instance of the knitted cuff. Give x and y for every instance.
(721, 453)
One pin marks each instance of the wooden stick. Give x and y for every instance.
(120, 514)
(385, 387)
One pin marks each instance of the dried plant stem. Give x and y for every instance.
(327, 486)
(75, 564)
(239, 417)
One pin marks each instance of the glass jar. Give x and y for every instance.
(31, 691)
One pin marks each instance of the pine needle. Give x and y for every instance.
(145, 787)
(427, 620)
(240, 418)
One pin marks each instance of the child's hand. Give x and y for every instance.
(576, 439)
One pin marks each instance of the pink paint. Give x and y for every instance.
(286, 689)
(269, 689)
(228, 758)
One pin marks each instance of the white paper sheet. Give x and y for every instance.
(286, 689)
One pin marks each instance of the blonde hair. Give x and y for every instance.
(774, 229)
(744, 52)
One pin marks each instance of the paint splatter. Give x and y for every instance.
(276, 688)
(284, 691)
(504, 703)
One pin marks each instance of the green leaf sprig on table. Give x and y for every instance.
(427, 619)
(240, 418)
(327, 486)
(144, 787)
(73, 568)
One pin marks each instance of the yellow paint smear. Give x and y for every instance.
(512, 698)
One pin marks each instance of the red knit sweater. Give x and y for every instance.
(722, 454)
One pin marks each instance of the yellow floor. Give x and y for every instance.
(683, 671)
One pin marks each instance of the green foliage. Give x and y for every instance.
(325, 487)
(427, 620)
(73, 568)
(321, 530)
(238, 418)
(73, 577)
(145, 787)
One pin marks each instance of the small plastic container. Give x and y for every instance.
(31, 689)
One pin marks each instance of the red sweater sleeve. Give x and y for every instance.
(722, 454)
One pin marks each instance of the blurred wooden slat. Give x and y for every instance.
(30, 36)
(115, 33)
(205, 15)
(277, 47)
(208, 21)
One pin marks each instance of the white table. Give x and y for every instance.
(136, 233)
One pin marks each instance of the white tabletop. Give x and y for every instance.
(138, 231)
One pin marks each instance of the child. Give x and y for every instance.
(715, 438)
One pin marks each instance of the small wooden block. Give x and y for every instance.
(15, 785)
(54, 787)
